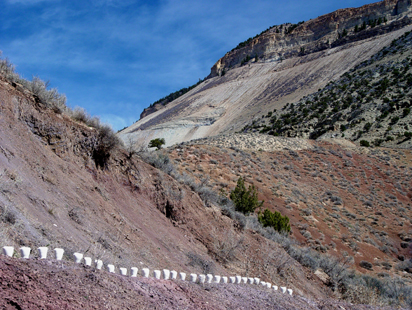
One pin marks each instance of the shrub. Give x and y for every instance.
(157, 143)
(408, 134)
(364, 143)
(366, 265)
(377, 142)
(275, 220)
(80, 115)
(51, 98)
(160, 161)
(246, 201)
(106, 142)
(394, 120)
(196, 261)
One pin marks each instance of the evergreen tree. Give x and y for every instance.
(157, 143)
(274, 220)
(246, 201)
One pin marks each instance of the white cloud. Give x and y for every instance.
(134, 52)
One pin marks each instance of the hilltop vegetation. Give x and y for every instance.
(106, 140)
(370, 104)
(342, 206)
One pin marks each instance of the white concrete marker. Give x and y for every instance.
(25, 252)
(145, 272)
(166, 274)
(232, 280)
(224, 279)
(263, 283)
(133, 272)
(173, 274)
(42, 252)
(78, 257)
(99, 264)
(290, 291)
(193, 277)
(250, 280)
(209, 278)
(244, 280)
(88, 261)
(157, 274)
(110, 268)
(8, 251)
(182, 276)
(217, 279)
(268, 285)
(238, 279)
(283, 289)
(58, 253)
(257, 280)
(275, 287)
(202, 278)
(123, 271)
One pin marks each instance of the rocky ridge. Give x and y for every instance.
(370, 104)
(330, 30)
(226, 103)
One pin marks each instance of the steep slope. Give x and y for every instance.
(341, 199)
(251, 86)
(370, 104)
(54, 193)
(55, 285)
(338, 197)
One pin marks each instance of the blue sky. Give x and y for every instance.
(116, 57)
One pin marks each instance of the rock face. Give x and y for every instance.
(286, 41)
(288, 66)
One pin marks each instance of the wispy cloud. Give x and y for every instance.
(115, 57)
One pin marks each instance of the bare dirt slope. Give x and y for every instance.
(32, 284)
(341, 199)
(224, 104)
(129, 213)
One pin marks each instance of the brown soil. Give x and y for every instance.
(127, 214)
(340, 199)
(47, 284)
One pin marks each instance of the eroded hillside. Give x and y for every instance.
(369, 104)
(56, 191)
(60, 189)
(341, 199)
(224, 103)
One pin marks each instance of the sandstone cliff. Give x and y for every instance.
(288, 67)
(286, 41)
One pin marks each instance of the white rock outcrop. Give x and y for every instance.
(78, 257)
(123, 271)
(110, 268)
(157, 274)
(133, 272)
(182, 276)
(99, 264)
(58, 253)
(87, 261)
(145, 272)
(8, 251)
(25, 252)
(42, 252)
